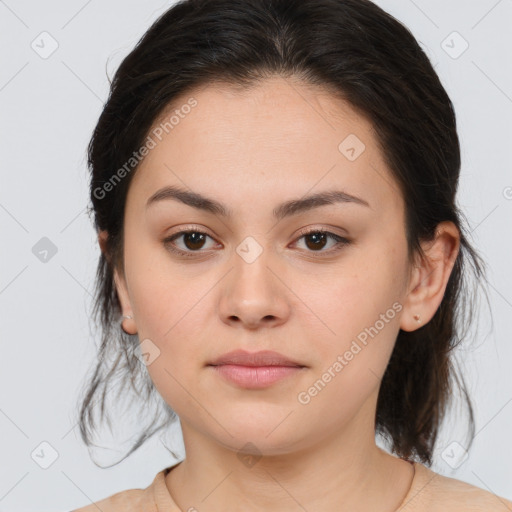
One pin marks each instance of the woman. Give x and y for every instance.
(273, 187)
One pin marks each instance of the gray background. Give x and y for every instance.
(49, 106)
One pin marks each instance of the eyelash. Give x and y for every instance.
(340, 241)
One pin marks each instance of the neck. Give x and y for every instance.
(346, 468)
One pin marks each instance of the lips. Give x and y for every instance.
(255, 370)
(256, 359)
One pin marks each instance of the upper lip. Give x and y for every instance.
(262, 358)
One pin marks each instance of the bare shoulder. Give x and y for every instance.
(434, 492)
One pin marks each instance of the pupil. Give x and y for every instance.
(195, 238)
(319, 240)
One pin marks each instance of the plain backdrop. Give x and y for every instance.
(53, 83)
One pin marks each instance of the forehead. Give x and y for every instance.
(278, 136)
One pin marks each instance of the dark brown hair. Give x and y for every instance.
(367, 58)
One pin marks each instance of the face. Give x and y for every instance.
(251, 277)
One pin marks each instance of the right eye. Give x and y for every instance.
(194, 240)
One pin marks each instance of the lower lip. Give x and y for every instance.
(256, 377)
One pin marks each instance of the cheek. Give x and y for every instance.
(162, 295)
(173, 313)
(354, 358)
(172, 319)
(169, 308)
(360, 307)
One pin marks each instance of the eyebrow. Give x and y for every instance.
(286, 209)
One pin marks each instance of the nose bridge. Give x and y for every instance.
(254, 292)
(250, 249)
(252, 261)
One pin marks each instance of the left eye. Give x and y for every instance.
(194, 239)
(316, 239)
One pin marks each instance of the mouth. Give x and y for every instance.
(255, 359)
(256, 370)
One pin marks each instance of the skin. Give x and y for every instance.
(252, 150)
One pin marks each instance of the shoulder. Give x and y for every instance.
(130, 500)
(434, 492)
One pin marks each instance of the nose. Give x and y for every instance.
(254, 296)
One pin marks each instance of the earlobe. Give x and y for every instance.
(127, 322)
(430, 277)
(411, 318)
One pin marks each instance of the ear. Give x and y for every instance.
(430, 276)
(128, 324)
